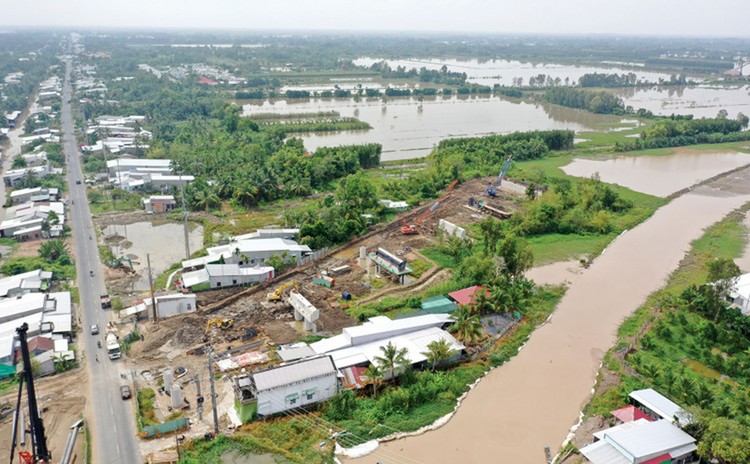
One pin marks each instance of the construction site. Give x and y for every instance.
(242, 327)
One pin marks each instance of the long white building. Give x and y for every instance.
(288, 386)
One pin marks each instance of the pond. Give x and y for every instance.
(163, 241)
(658, 175)
(410, 128)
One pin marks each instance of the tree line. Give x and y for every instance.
(675, 132)
(596, 102)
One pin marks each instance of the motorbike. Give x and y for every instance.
(99, 343)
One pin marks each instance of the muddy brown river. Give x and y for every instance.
(659, 175)
(535, 398)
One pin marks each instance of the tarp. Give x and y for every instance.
(166, 427)
(6, 371)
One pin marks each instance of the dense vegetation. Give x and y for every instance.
(673, 132)
(30, 54)
(596, 102)
(688, 344)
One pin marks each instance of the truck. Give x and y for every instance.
(113, 346)
(105, 300)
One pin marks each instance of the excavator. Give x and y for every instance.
(276, 296)
(219, 322)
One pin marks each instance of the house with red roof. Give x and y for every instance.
(466, 296)
(206, 81)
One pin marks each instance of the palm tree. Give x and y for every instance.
(53, 250)
(480, 305)
(438, 352)
(393, 358)
(466, 326)
(375, 375)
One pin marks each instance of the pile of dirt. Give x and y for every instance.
(212, 296)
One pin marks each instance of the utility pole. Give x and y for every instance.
(151, 286)
(199, 398)
(185, 216)
(213, 390)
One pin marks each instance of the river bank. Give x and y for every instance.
(532, 401)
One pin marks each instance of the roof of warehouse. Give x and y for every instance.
(661, 405)
(292, 373)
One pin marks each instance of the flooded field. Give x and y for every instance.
(659, 175)
(534, 399)
(408, 128)
(503, 71)
(164, 241)
(702, 101)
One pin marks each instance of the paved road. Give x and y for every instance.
(113, 426)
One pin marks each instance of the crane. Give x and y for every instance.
(412, 229)
(492, 187)
(40, 453)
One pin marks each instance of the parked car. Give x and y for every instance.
(95, 329)
(78, 181)
(125, 392)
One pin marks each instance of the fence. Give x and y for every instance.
(166, 427)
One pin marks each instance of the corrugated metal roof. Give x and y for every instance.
(650, 439)
(466, 296)
(602, 452)
(291, 373)
(661, 405)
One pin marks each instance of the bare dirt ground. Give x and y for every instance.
(61, 400)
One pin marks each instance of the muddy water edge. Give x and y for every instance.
(534, 399)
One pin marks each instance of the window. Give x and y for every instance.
(218, 284)
(234, 281)
(252, 261)
(292, 399)
(310, 394)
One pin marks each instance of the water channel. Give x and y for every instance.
(534, 399)
(658, 175)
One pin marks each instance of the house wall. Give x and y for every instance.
(279, 399)
(162, 207)
(170, 307)
(230, 281)
(260, 257)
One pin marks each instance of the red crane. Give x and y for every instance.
(412, 229)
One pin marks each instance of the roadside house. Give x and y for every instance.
(288, 386)
(226, 275)
(159, 203)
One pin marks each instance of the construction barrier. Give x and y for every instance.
(166, 427)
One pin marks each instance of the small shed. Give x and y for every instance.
(466, 296)
(438, 305)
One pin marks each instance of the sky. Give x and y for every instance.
(724, 18)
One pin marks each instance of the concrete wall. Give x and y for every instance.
(277, 400)
(172, 307)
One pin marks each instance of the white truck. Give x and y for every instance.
(113, 346)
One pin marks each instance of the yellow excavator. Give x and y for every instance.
(218, 322)
(276, 296)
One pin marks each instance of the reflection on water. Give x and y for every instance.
(702, 101)
(503, 72)
(658, 175)
(408, 128)
(163, 241)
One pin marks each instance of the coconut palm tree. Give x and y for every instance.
(375, 375)
(480, 305)
(52, 250)
(438, 352)
(393, 358)
(466, 326)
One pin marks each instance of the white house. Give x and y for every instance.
(658, 406)
(48, 313)
(36, 159)
(641, 441)
(248, 253)
(227, 275)
(288, 386)
(28, 282)
(360, 345)
(12, 177)
(24, 222)
(168, 305)
(740, 294)
(395, 205)
(122, 165)
(34, 194)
